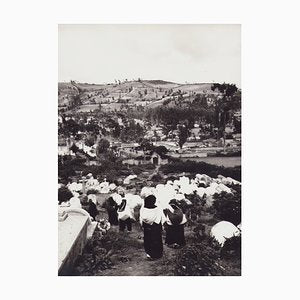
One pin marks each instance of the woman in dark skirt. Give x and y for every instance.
(151, 219)
(111, 208)
(175, 226)
(92, 209)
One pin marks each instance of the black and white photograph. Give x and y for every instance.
(149, 150)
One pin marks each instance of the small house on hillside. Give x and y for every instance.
(158, 160)
(153, 158)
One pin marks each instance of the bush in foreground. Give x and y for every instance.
(94, 259)
(198, 260)
(64, 194)
(228, 207)
(232, 248)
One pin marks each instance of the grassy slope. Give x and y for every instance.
(129, 259)
(155, 90)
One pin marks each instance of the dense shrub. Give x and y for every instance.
(64, 194)
(125, 172)
(94, 259)
(232, 248)
(92, 263)
(193, 211)
(228, 207)
(156, 178)
(142, 168)
(196, 199)
(67, 166)
(66, 172)
(137, 170)
(149, 167)
(199, 232)
(198, 260)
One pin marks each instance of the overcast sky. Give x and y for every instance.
(178, 53)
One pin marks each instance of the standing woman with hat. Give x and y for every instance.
(111, 207)
(151, 219)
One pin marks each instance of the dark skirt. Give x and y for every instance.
(125, 224)
(153, 240)
(175, 234)
(112, 216)
(92, 210)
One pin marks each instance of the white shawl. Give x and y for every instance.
(152, 215)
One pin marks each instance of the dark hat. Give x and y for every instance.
(173, 202)
(149, 201)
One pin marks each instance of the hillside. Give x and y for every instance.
(142, 92)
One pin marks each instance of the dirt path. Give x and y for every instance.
(155, 171)
(131, 260)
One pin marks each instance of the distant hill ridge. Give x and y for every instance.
(154, 90)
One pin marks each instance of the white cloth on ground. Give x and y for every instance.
(223, 231)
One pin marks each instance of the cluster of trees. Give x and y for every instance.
(71, 127)
(104, 152)
(183, 134)
(201, 167)
(68, 165)
(217, 113)
(132, 132)
(170, 117)
(112, 168)
(128, 132)
(228, 102)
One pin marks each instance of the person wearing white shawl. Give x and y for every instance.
(125, 216)
(151, 219)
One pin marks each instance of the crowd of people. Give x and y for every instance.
(156, 208)
(152, 217)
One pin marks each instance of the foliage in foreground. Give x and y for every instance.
(64, 194)
(232, 248)
(228, 207)
(94, 259)
(200, 259)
